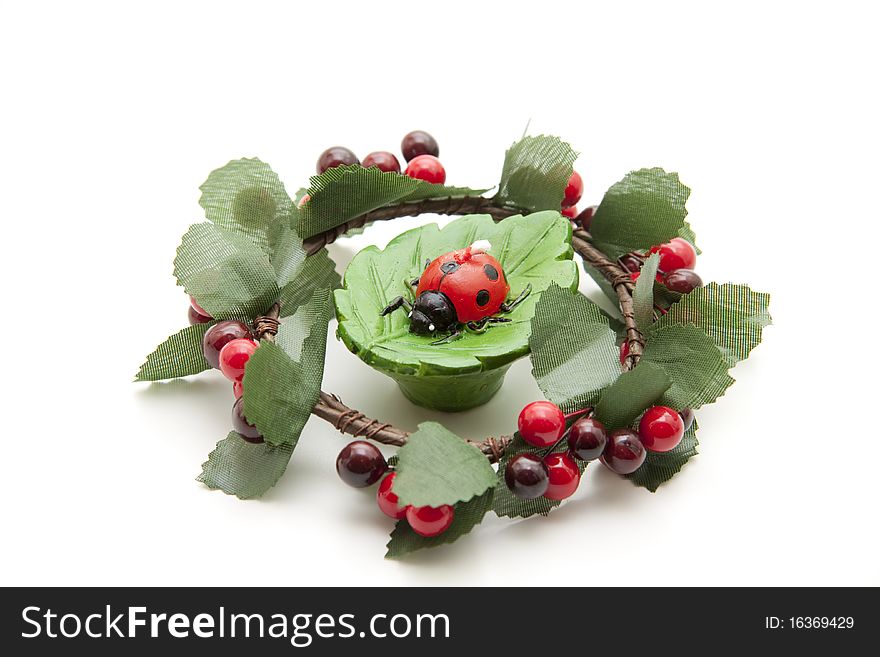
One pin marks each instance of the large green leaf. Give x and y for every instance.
(660, 467)
(343, 193)
(533, 249)
(246, 196)
(180, 355)
(244, 469)
(282, 380)
(646, 208)
(573, 349)
(229, 275)
(643, 295)
(436, 467)
(633, 392)
(467, 516)
(318, 273)
(732, 315)
(535, 173)
(694, 364)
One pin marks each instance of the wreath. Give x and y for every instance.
(445, 313)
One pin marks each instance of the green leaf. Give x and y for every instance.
(694, 364)
(732, 315)
(659, 468)
(643, 295)
(534, 249)
(318, 273)
(225, 272)
(246, 196)
(180, 355)
(633, 392)
(646, 208)
(282, 380)
(436, 467)
(573, 349)
(244, 469)
(288, 255)
(343, 193)
(535, 173)
(467, 516)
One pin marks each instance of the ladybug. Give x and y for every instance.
(466, 287)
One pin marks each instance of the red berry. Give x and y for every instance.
(360, 464)
(661, 429)
(418, 142)
(233, 357)
(541, 423)
(219, 336)
(585, 218)
(624, 453)
(571, 211)
(677, 253)
(682, 281)
(305, 199)
(237, 389)
(624, 351)
(335, 156)
(526, 476)
(634, 275)
(427, 168)
(587, 439)
(429, 521)
(563, 474)
(196, 318)
(382, 160)
(244, 428)
(573, 190)
(387, 500)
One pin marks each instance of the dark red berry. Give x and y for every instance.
(571, 212)
(196, 318)
(585, 218)
(201, 311)
(418, 142)
(335, 156)
(218, 336)
(541, 423)
(429, 521)
(587, 438)
(526, 476)
(624, 351)
(360, 464)
(677, 253)
(563, 474)
(624, 452)
(427, 168)
(233, 357)
(387, 500)
(382, 160)
(630, 262)
(687, 417)
(682, 280)
(244, 428)
(573, 190)
(661, 429)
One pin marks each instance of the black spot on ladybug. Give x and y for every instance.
(449, 267)
(482, 297)
(491, 272)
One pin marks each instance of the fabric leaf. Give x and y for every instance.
(629, 396)
(643, 295)
(179, 355)
(317, 273)
(535, 173)
(244, 469)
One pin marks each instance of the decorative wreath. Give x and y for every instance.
(445, 313)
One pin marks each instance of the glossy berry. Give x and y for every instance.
(196, 318)
(585, 218)
(573, 190)
(624, 351)
(387, 500)
(218, 336)
(661, 429)
(682, 280)
(526, 476)
(634, 275)
(303, 200)
(233, 357)
(201, 311)
(571, 212)
(427, 168)
(237, 389)
(418, 142)
(244, 428)
(541, 423)
(630, 262)
(563, 474)
(360, 464)
(624, 452)
(587, 438)
(677, 253)
(335, 156)
(429, 521)
(687, 417)
(382, 160)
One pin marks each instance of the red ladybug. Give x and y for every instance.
(463, 287)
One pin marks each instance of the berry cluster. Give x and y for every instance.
(555, 475)
(419, 149)
(360, 464)
(676, 269)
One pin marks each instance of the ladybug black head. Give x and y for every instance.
(432, 312)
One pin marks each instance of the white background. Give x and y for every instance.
(112, 116)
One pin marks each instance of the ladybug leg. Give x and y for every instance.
(508, 307)
(455, 335)
(478, 327)
(396, 303)
(415, 282)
